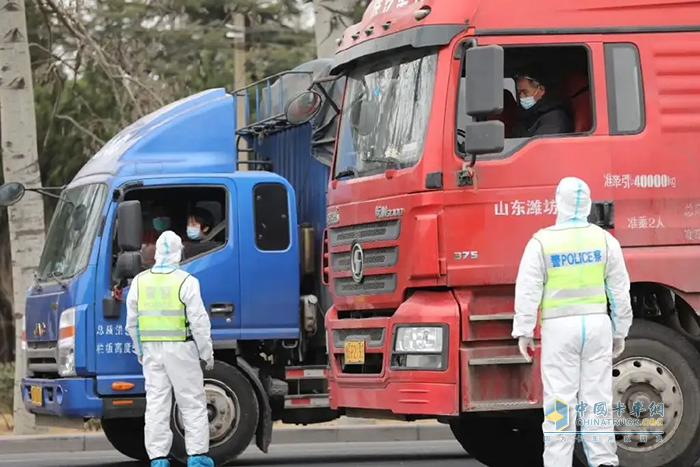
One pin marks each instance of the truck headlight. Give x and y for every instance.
(66, 343)
(418, 340)
(419, 348)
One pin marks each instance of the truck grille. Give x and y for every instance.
(372, 366)
(370, 285)
(373, 336)
(373, 258)
(372, 232)
(41, 359)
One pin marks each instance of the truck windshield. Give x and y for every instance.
(69, 239)
(385, 114)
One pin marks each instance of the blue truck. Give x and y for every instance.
(263, 183)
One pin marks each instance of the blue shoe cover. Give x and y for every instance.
(160, 463)
(200, 461)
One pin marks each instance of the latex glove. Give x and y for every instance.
(209, 364)
(618, 346)
(523, 344)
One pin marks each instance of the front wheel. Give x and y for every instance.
(233, 415)
(659, 366)
(126, 436)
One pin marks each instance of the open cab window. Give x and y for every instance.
(175, 208)
(560, 78)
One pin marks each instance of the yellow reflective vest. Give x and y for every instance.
(575, 260)
(161, 313)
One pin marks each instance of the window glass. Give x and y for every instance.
(624, 82)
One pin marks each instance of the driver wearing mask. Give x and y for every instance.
(199, 224)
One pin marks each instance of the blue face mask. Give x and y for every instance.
(527, 102)
(194, 232)
(161, 224)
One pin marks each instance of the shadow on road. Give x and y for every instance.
(429, 458)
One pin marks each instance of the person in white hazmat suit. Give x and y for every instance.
(570, 271)
(171, 331)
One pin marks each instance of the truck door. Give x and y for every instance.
(213, 260)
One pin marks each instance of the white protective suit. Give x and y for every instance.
(174, 365)
(577, 351)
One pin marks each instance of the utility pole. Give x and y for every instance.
(20, 164)
(329, 26)
(237, 33)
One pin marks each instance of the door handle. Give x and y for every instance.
(221, 309)
(603, 214)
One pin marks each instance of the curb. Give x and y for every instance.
(353, 434)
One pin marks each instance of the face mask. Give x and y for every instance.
(527, 102)
(161, 223)
(193, 232)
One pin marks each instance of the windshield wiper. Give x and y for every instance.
(389, 161)
(56, 275)
(349, 171)
(37, 282)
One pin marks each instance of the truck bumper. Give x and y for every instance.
(377, 385)
(67, 397)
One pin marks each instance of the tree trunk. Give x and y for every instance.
(20, 164)
(332, 17)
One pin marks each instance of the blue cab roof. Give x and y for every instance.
(194, 134)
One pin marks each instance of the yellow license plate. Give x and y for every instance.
(36, 394)
(355, 353)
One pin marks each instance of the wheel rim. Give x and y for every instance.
(642, 379)
(222, 408)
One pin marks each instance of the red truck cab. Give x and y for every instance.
(433, 197)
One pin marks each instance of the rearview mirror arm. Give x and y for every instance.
(44, 191)
(325, 94)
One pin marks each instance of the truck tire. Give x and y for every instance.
(500, 441)
(126, 436)
(233, 415)
(659, 365)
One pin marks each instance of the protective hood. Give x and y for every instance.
(573, 200)
(168, 250)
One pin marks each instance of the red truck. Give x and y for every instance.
(431, 202)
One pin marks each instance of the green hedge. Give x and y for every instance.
(7, 380)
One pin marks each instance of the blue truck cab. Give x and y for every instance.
(259, 265)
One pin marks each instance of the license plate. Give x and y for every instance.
(355, 352)
(36, 394)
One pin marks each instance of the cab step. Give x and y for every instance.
(508, 404)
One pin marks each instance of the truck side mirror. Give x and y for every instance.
(484, 80)
(129, 233)
(484, 137)
(303, 108)
(128, 265)
(11, 193)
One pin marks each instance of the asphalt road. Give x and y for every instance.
(399, 454)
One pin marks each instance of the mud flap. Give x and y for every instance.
(263, 433)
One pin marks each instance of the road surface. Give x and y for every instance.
(399, 454)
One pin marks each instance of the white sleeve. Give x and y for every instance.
(197, 316)
(132, 316)
(529, 287)
(617, 288)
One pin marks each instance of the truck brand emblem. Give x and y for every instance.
(357, 262)
(40, 329)
(382, 212)
(333, 217)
